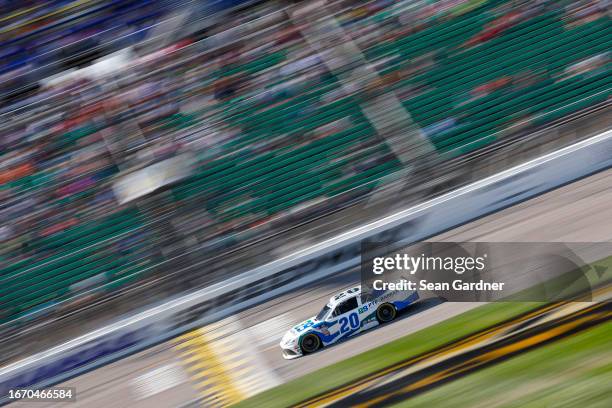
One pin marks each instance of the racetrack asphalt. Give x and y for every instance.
(169, 376)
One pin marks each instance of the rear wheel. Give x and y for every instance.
(385, 313)
(310, 343)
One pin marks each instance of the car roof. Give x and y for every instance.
(342, 296)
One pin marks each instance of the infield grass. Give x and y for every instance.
(573, 372)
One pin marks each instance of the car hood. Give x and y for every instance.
(294, 333)
(301, 327)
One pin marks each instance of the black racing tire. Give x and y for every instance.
(310, 343)
(385, 313)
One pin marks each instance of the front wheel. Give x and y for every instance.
(385, 313)
(310, 343)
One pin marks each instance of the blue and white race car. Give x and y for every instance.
(346, 314)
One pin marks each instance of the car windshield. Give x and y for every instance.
(321, 315)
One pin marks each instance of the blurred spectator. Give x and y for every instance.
(251, 92)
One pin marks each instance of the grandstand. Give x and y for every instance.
(274, 127)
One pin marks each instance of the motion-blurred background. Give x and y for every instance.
(151, 148)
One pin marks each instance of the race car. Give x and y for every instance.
(346, 314)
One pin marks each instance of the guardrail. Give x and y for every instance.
(167, 320)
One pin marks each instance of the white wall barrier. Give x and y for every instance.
(167, 320)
